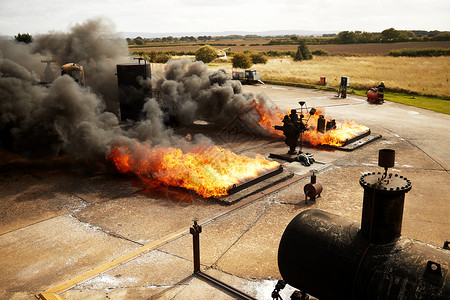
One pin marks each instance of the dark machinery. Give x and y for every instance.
(331, 257)
(312, 189)
(342, 91)
(75, 71)
(247, 77)
(293, 128)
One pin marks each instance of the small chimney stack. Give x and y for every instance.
(384, 196)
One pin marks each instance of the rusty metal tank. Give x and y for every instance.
(331, 257)
(372, 96)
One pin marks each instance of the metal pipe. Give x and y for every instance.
(195, 230)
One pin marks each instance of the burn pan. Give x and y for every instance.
(237, 188)
(255, 185)
(351, 144)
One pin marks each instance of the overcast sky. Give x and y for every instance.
(171, 16)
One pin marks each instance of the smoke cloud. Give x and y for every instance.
(199, 93)
(44, 121)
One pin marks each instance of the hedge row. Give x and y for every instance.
(420, 52)
(163, 56)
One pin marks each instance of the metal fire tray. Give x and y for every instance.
(256, 185)
(353, 143)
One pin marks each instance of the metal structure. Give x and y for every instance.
(294, 126)
(312, 189)
(331, 257)
(50, 72)
(237, 188)
(75, 71)
(195, 230)
(247, 76)
(345, 83)
(132, 91)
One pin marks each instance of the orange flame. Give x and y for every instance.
(209, 171)
(335, 137)
(268, 117)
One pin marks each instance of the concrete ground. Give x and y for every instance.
(58, 221)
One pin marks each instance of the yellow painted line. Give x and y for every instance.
(114, 263)
(50, 294)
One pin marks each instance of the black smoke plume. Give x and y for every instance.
(44, 121)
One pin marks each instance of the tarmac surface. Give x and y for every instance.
(59, 221)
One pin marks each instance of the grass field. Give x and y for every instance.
(431, 103)
(421, 75)
(418, 81)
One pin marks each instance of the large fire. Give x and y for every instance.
(268, 117)
(209, 171)
(334, 137)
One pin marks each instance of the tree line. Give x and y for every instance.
(389, 35)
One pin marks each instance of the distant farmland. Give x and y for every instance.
(260, 45)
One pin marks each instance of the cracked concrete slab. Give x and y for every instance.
(217, 237)
(43, 254)
(28, 198)
(59, 220)
(155, 268)
(144, 219)
(255, 254)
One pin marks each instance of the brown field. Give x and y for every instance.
(423, 75)
(359, 49)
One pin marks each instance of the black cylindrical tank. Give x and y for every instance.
(330, 257)
(330, 125)
(327, 256)
(321, 124)
(132, 92)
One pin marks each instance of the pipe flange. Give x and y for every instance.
(393, 183)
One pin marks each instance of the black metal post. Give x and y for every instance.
(195, 230)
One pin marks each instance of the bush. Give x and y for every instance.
(241, 60)
(320, 52)
(273, 53)
(139, 41)
(23, 38)
(258, 58)
(420, 52)
(305, 51)
(302, 52)
(298, 55)
(206, 54)
(153, 56)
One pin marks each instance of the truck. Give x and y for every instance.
(247, 76)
